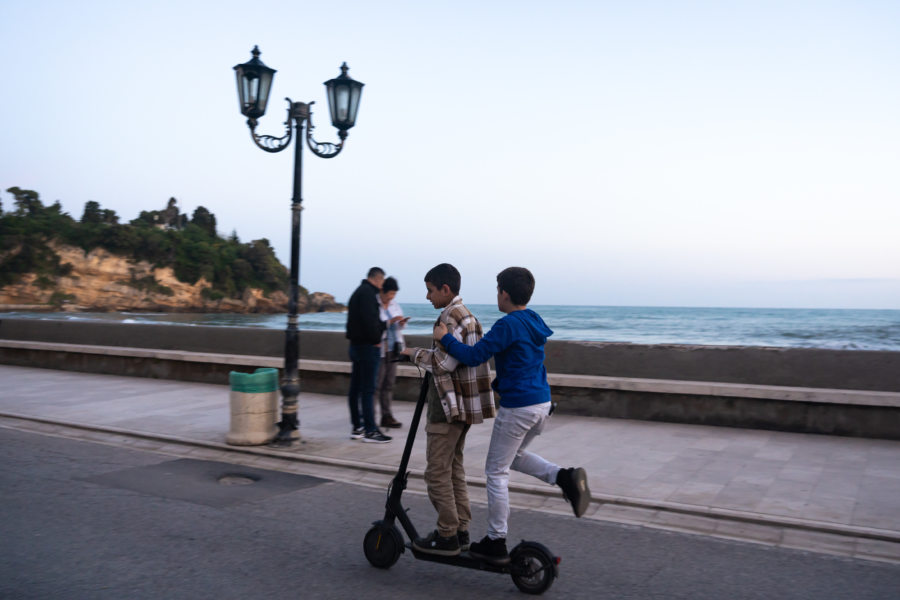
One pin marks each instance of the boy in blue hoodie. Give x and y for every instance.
(517, 344)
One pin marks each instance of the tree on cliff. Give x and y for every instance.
(24, 235)
(192, 248)
(205, 220)
(271, 273)
(91, 213)
(27, 202)
(95, 215)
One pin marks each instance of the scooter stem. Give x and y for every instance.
(414, 426)
(393, 506)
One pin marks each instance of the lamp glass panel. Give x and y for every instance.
(354, 102)
(250, 90)
(342, 100)
(332, 101)
(265, 85)
(240, 88)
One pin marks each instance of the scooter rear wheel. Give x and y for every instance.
(383, 545)
(532, 569)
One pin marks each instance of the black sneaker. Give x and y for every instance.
(433, 543)
(357, 433)
(575, 488)
(376, 437)
(463, 538)
(492, 551)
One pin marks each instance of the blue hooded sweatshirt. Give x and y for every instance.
(517, 344)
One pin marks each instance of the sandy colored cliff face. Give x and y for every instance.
(101, 281)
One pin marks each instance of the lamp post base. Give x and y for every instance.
(288, 432)
(288, 427)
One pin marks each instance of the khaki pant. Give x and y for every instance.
(384, 387)
(445, 476)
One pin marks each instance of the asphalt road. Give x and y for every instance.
(84, 520)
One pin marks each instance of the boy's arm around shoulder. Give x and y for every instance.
(494, 341)
(437, 360)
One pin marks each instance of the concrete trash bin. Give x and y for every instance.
(254, 407)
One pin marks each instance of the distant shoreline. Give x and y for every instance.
(30, 308)
(68, 309)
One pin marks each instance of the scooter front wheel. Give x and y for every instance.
(532, 568)
(383, 545)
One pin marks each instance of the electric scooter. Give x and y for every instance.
(532, 566)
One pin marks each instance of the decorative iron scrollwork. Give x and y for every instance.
(299, 112)
(270, 143)
(323, 149)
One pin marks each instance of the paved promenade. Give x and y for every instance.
(822, 493)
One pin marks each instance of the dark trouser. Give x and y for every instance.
(387, 374)
(365, 359)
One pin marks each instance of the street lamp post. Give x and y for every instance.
(254, 82)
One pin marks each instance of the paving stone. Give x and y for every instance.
(800, 473)
(696, 492)
(780, 506)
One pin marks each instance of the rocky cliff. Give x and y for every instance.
(102, 281)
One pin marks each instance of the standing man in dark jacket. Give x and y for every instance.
(364, 330)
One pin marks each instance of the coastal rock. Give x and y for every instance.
(322, 302)
(102, 281)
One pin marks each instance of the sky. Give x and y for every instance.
(649, 153)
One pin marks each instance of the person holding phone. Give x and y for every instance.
(391, 344)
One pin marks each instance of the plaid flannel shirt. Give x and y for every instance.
(465, 392)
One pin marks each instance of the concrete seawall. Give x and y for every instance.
(793, 389)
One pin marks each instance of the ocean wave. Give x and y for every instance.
(820, 328)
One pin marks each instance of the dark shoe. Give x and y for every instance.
(391, 422)
(433, 543)
(357, 433)
(492, 551)
(463, 538)
(376, 437)
(575, 488)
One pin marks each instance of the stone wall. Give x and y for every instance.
(798, 367)
(789, 389)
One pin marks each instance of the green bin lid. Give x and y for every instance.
(260, 381)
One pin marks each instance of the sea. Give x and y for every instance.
(845, 329)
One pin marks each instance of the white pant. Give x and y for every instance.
(514, 429)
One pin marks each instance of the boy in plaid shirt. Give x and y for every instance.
(460, 397)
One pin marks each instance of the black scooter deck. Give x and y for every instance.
(463, 559)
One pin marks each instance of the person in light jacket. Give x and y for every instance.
(391, 344)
